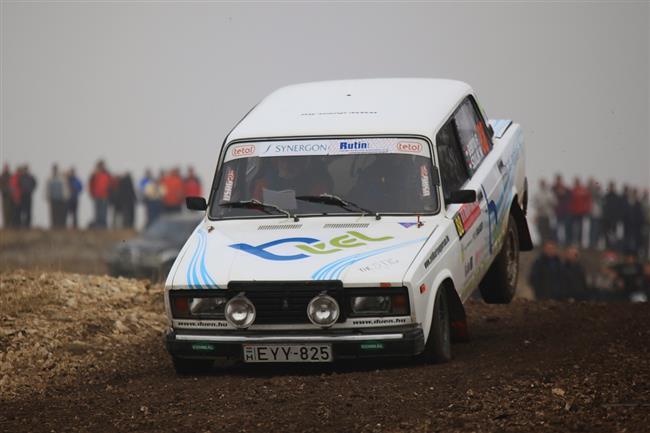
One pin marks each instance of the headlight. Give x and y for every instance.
(371, 304)
(207, 307)
(323, 311)
(240, 312)
(189, 307)
(386, 305)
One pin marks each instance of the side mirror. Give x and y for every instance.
(462, 196)
(196, 203)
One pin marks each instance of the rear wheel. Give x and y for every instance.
(186, 366)
(438, 347)
(500, 281)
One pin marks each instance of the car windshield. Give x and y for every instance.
(333, 176)
(173, 230)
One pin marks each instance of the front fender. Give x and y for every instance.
(437, 284)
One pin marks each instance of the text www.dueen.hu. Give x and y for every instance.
(392, 321)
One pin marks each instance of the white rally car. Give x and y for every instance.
(350, 219)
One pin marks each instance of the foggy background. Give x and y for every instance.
(161, 84)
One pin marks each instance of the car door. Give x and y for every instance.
(486, 178)
(466, 218)
(468, 139)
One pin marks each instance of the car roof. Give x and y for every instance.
(381, 106)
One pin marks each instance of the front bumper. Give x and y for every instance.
(346, 344)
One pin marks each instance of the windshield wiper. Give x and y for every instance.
(335, 200)
(256, 204)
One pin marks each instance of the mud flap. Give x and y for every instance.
(525, 241)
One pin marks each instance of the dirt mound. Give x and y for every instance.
(53, 324)
(84, 353)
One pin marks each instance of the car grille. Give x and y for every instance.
(285, 302)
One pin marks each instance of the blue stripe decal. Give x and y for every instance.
(197, 274)
(190, 269)
(195, 270)
(333, 270)
(204, 272)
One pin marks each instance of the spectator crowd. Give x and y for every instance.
(613, 225)
(114, 196)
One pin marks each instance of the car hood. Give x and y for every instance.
(358, 253)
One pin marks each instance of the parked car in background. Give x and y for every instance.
(152, 253)
(351, 219)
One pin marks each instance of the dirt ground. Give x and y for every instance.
(85, 353)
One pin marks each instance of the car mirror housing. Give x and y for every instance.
(196, 203)
(462, 196)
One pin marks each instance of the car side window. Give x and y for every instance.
(472, 134)
(453, 172)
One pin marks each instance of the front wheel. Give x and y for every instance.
(438, 347)
(500, 281)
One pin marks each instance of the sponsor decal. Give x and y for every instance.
(473, 153)
(477, 232)
(309, 246)
(469, 266)
(378, 265)
(485, 143)
(202, 347)
(372, 346)
(492, 219)
(354, 145)
(425, 181)
(407, 225)
(381, 321)
(230, 181)
(466, 217)
(296, 149)
(436, 252)
(409, 147)
(242, 150)
(479, 255)
(333, 270)
(200, 324)
(326, 147)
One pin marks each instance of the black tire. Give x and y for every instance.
(500, 282)
(437, 349)
(184, 366)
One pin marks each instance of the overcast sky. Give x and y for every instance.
(161, 84)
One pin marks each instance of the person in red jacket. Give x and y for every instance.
(173, 195)
(191, 184)
(579, 209)
(99, 187)
(15, 195)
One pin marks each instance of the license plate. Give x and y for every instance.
(288, 353)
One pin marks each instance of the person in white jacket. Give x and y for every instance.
(57, 193)
(544, 204)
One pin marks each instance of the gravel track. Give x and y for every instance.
(530, 366)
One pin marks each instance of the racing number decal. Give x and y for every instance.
(466, 217)
(458, 222)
